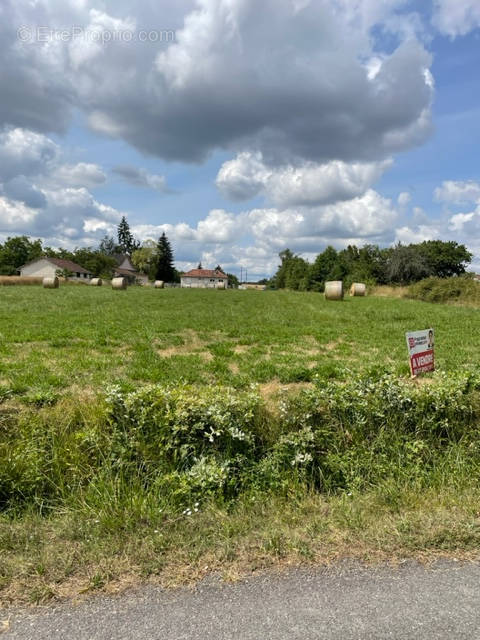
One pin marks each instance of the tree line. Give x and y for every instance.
(153, 258)
(398, 265)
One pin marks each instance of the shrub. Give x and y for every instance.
(457, 289)
(178, 446)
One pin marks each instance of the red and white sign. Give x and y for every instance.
(420, 348)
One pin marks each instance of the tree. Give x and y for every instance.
(280, 277)
(232, 281)
(145, 258)
(108, 246)
(445, 259)
(126, 242)
(406, 264)
(323, 268)
(199, 266)
(164, 260)
(95, 261)
(16, 252)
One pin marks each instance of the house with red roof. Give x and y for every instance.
(204, 279)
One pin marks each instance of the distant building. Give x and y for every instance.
(203, 279)
(49, 267)
(125, 269)
(252, 285)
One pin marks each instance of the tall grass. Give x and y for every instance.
(460, 290)
(179, 446)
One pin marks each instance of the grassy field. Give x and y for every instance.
(78, 339)
(134, 446)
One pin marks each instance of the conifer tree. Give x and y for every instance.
(126, 242)
(165, 269)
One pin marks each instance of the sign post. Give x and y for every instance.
(420, 349)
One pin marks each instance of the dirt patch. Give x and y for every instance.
(234, 368)
(241, 348)
(192, 345)
(331, 346)
(270, 390)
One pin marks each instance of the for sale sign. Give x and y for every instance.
(420, 348)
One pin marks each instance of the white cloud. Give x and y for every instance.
(83, 174)
(408, 235)
(456, 17)
(24, 152)
(309, 184)
(404, 199)
(43, 196)
(366, 218)
(459, 220)
(457, 192)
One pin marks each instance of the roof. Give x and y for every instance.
(205, 273)
(126, 272)
(68, 264)
(61, 264)
(120, 257)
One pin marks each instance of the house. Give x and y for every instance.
(45, 267)
(203, 279)
(125, 269)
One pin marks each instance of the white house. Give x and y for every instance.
(203, 279)
(49, 267)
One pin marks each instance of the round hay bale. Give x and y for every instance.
(358, 289)
(334, 290)
(51, 283)
(119, 283)
(96, 282)
(159, 284)
(221, 285)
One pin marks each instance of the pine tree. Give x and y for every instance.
(126, 242)
(165, 269)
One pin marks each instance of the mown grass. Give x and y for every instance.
(183, 468)
(80, 339)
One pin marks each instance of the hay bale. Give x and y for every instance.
(119, 283)
(159, 284)
(358, 289)
(51, 283)
(6, 281)
(96, 282)
(221, 285)
(334, 290)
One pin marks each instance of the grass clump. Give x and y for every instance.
(461, 290)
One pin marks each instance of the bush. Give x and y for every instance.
(458, 289)
(178, 446)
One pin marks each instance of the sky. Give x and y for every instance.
(240, 128)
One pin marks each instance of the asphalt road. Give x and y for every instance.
(345, 602)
